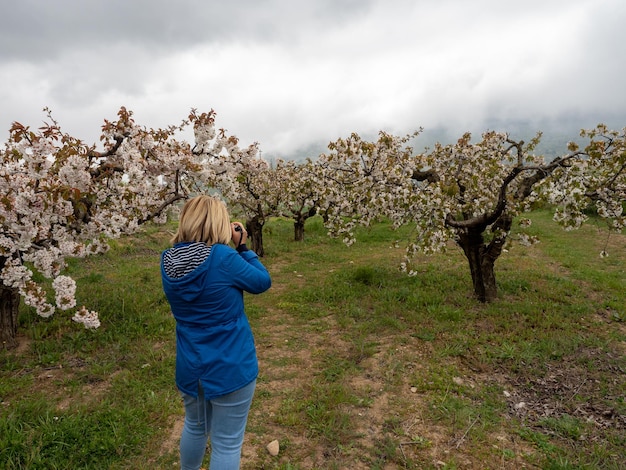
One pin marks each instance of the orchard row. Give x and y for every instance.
(61, 197)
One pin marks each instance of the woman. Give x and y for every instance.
(216, 364)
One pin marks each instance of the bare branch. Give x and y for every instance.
(158, 211)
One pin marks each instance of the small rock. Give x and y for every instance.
(520, 405)
(413, 389)
(273, 448)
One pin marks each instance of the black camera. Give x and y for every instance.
(238, 228)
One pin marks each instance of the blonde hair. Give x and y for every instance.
(204, 219)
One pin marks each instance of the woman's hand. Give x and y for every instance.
(239, 234)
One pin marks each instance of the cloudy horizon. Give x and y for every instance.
(292, 75)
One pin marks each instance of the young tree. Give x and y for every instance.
(299, 187)
(471, 193)
(249, 185)
(63, 198)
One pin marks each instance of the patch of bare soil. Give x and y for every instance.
(170, 445)
(287, 365)
(572, 387)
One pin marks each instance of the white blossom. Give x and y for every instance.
(65, 291)
(88, 318)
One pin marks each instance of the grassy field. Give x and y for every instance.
(362, 367)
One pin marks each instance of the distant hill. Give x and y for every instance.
(556, 133)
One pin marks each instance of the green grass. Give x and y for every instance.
(361, 365)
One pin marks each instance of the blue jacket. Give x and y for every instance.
(214, 342)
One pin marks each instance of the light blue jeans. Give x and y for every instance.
(224, 419)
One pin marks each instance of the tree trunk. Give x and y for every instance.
(482, 257)
(254, 227)
(9, 308)
(481, 266)
(298, 228)
(300, 220)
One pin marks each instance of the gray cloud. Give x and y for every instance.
(43, 29)
(298, 74)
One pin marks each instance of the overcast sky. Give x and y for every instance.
(292, 74)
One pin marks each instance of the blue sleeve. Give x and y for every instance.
(247, 272)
